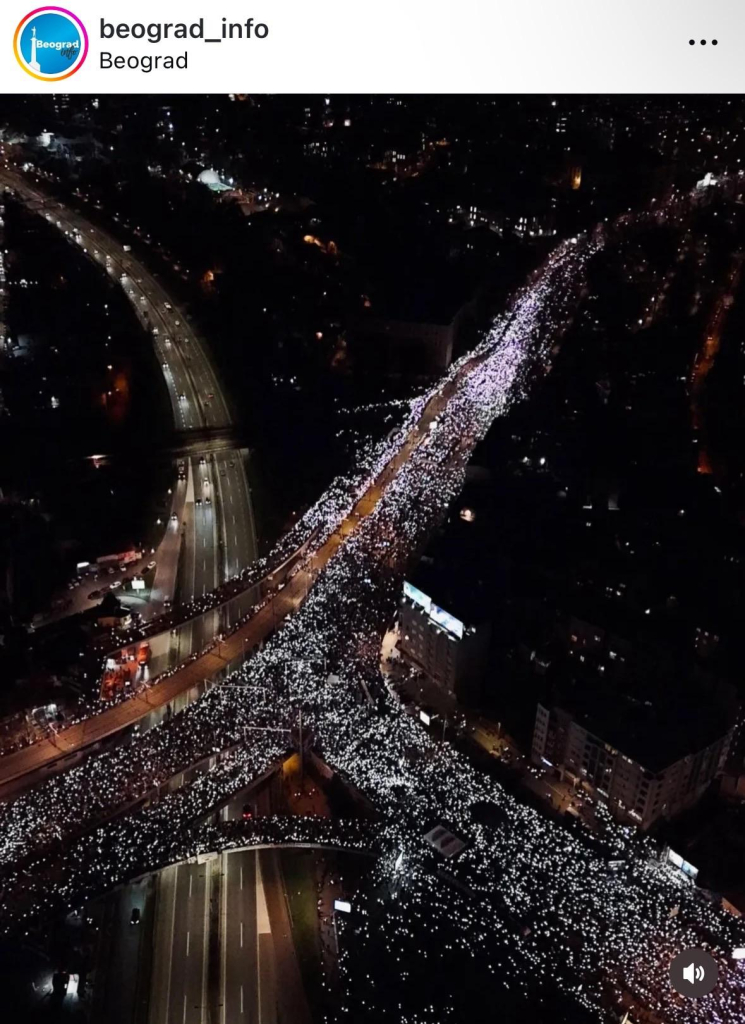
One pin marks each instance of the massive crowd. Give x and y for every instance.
(597, 919)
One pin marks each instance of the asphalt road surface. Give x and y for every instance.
(289, 594)
(222, 946)
(121, 991)
(197, 401)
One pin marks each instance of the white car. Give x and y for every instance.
(115, 585)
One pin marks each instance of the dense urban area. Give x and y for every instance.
(372, 526)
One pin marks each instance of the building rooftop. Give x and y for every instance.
(459, 570)
(655, 722)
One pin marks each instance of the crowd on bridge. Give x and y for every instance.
(597, 919)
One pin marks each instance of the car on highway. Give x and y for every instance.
(167, 306)
(198, 501)
(247, 812)
(182, 398)
(135, 916)
(151, 565)
(208, 500)
(165, 366)
(111, 570)
(115, 585)
(174, 518)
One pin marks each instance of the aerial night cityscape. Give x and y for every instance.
(372, 554)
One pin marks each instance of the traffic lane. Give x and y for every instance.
(206, 568)
(290, 995)
(187, 989)
(128, 943)
(189, 525)
(176, 377)
(178, 362)
(240, 939)
(168, 554)
(203, 387)
(237, 513)
(205, 577)
(181, 383)
(175, 322)
(194, 578)
(166, 882)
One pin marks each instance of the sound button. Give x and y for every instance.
(694, 973)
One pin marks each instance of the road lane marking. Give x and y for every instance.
(205, 936)
(222, 935)
(241, 934)
(172, 940)
(241, 998)
(188, 940)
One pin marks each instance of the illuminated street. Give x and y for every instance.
(296, 702)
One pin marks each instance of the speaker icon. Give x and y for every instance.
(693, 973)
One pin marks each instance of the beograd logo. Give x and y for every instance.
(50, 43)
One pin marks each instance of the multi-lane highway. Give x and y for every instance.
(284, 593)
(535, 903)
(213, 942)
(218, 531)
(218, 950)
